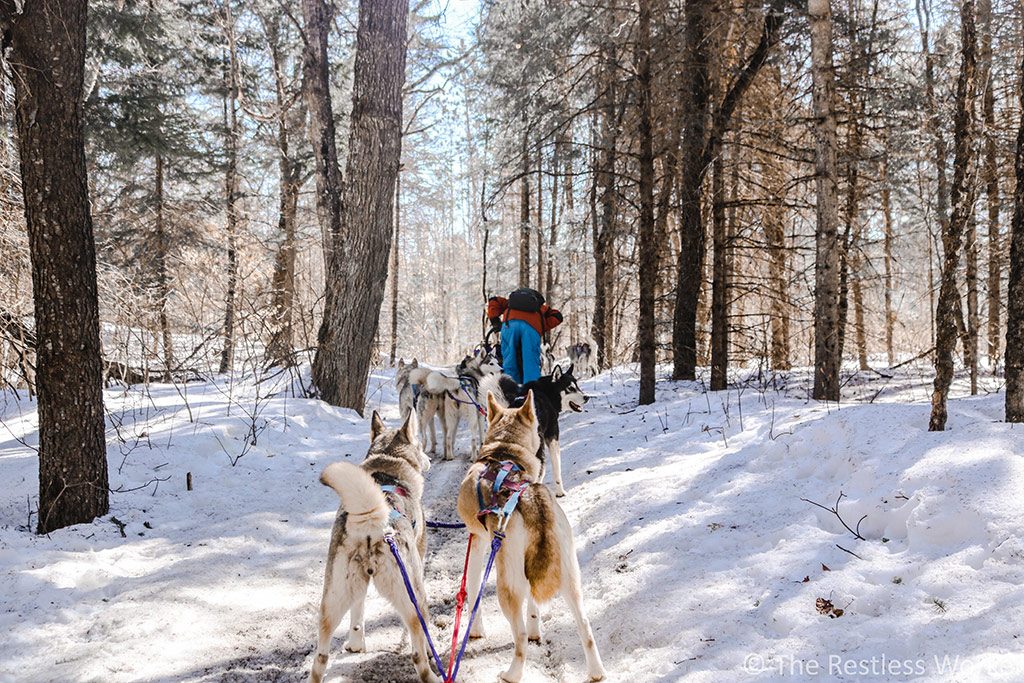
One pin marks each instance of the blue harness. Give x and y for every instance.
(390, 491)
(502, 495)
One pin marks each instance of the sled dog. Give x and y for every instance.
(404, 385)
(552, 394)
(410, 380)
(381, 496)
(580, 355)
(537, 560)
(547, 358)
(462, 398)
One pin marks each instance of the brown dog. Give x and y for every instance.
(537, 560)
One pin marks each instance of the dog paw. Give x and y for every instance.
(355, 645)
(507, 677)
(477, 632)
(534, 639)
(560, 492)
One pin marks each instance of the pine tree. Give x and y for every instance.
(47, 58)
(826, 268)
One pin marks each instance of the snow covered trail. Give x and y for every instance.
(699, 559)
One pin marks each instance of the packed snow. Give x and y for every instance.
(703, 554)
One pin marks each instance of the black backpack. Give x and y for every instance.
(526, 300)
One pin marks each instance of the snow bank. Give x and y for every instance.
(700, 560)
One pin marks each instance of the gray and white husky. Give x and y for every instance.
(410, 380)
(404, 385)
(461, 397)
(358, 551)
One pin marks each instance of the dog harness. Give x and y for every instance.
(392, 489)
(505, 483)
(469, 386)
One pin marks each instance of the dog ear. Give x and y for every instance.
(377, 426)
(569, 371)
(401, 363)
(527, 413)
(415, 363)
(409, 429)
(494, 410)
(556, 374)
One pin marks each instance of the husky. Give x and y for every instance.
(461, 397)
(410, 380)
(547, 358)
(553, 394)
(406, 389)
(537, 560)
(580, 354)
(382, 496)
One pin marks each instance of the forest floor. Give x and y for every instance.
(700, 558)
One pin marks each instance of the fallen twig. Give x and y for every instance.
(835, 511)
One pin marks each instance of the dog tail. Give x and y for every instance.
(360, 495)
(438, 383)
(419, 375)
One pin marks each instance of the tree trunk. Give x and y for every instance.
(1015, 285)
(962, 200)
(358, 270)
(774, 221)
(826, 263)
(281, 346)
(719, 280)
(231, 126)
(47, 58)
(395, 246)
(540, 220)
(604, 228)
(696, 99)
(701, 145)
(549, 275)
(316, 83)
(990, 176)
(887, 240)
(648, 248)
(162, 278)
(934, 116)
(524, 212)
(851, 259)
(973, 319)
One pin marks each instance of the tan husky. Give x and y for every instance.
(537, 560)
(358, 551)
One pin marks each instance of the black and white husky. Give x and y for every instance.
(552, 394)
(461, 398)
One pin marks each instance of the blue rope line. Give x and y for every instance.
(412, 596)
